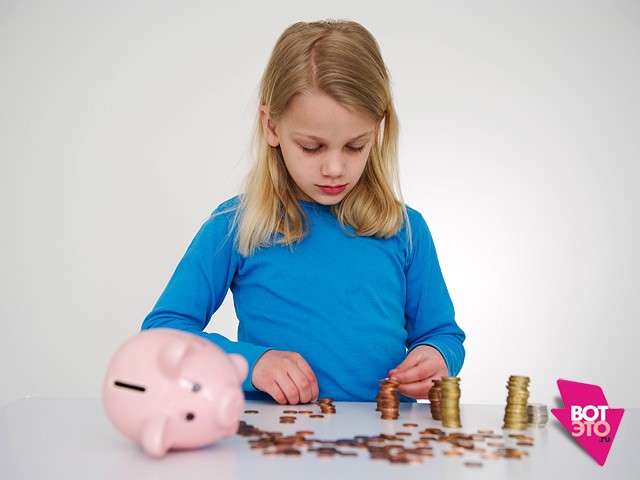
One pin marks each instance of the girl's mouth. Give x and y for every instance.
(332, 189)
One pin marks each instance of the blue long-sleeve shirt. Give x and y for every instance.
(350, 305)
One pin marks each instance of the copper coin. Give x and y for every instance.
(524, 444)
(290, 452)
(452, 453)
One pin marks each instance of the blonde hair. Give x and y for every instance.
(342, 60)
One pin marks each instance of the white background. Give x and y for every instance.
(123, 124)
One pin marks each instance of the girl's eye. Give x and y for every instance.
(349, 148)
(310, 150)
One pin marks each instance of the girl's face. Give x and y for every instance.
(325, 146)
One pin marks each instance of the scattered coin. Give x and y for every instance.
(287, 419)
(403, 448)
(511, 453)
(452, 453)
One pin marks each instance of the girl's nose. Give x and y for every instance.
(333, 164)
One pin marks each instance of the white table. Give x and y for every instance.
(69, 438)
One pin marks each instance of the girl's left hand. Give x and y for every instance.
(417, 372)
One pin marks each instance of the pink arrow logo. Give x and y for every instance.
(588, 417)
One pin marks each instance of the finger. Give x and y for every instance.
(289, 389)
(301, 383)
(311, 392)
(276, 392)
(311, 379)
(417, 390)
(315, 391)
(413, 374)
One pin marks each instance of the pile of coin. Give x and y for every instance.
(450, 402)
(435, 399)
(515, 414)
(387, 399)
(537, 414)
(326, 405)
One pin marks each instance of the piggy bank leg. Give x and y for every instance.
(153, 437)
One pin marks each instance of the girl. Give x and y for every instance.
(336, 283)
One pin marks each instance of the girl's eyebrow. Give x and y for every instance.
(321, 140)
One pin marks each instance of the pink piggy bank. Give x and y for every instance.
(168, 389)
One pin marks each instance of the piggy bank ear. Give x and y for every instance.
(240, 364)
(171, 356)
(152, 439)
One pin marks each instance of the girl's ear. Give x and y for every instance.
(269, 127)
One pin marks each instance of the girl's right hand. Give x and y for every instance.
(286, 376)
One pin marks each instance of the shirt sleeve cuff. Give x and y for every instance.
(250, 352)
(451, 350)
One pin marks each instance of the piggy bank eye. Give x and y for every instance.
(196, 387)
(189, 416)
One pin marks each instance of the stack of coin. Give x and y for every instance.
(537, 414)
(326, 405)
(450, 402)
(515, 414)
(435, 397)
(388, 400)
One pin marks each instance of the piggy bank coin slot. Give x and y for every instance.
(130, 386)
